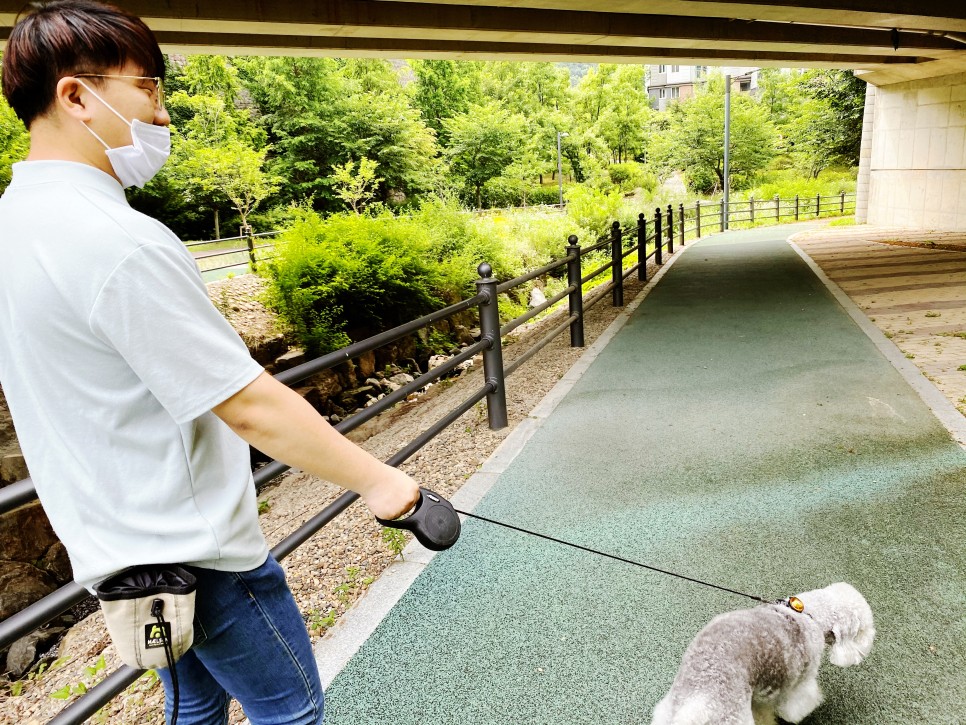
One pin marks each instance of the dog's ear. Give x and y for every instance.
(848, 647)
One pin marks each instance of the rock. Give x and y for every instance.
(463, 335)
(333, 419)
(57, 564)
(20, 586)
(23, 653)
(328, 383)
(367, 364)
(537, 297)
(25, 533)
(374, 383)
(402, 379)
(436, 360)
(13, 468)
(291, 359)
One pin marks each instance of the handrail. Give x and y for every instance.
(662, 238)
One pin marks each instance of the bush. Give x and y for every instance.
(351, 275)
(593, 209)
(630, 176)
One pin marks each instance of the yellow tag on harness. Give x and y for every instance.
(797, 604)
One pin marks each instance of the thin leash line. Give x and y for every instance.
(615, 558)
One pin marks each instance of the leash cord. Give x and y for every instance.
(614, 557)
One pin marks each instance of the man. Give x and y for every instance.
(132, 397)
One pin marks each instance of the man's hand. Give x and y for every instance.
(391, 497)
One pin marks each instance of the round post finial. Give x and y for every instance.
(485, 270)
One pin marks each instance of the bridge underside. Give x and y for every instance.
(912, 52)
(891, 40)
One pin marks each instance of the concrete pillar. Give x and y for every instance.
(865, 158)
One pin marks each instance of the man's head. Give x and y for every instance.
(66, 38)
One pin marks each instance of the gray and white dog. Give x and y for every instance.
(748, 666)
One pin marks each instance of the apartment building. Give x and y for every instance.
(667, 83)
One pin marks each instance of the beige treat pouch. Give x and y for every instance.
(149, 611)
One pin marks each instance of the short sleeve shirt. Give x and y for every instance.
(111, 359)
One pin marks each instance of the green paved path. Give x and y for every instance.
(741, 429)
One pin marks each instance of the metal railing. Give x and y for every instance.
(211, 256)
(649, 238)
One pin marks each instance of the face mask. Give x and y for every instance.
(136, 165)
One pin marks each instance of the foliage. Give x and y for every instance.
(355, 188)
(482, 144)
(693, 138)
(350, 276)
(14, 141)
(593, 209)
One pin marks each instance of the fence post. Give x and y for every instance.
(818, 205)
(247, 231)
(778, 209)
(681, 224)
(576, 297)
(493, 355)
(658, 237)
(641, 247)
(617, 264)
(697, 216)
(670, 229)
(722, 215)
(842, 209)
(796, 207)
(751, 206)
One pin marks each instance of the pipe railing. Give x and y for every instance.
(664, 227)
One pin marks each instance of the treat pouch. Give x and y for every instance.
(148, 610)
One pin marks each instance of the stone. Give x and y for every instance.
(291, 359)
(463, 335)
(328, 383)
(23, 653)
(374, 382)
(367, 364)
(25, 533)
(13, 468)
(401, 379)
(20, 586)
(57, 564)
(436, 360)
(537, 297)
(266, 352)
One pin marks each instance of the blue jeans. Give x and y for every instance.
(251, 645)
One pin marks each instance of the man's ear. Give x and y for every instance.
(73, 99)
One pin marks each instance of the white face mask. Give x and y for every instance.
(136, 165)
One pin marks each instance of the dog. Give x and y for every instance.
(749, 666)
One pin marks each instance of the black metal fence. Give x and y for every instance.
(239, 254)
(649, 238)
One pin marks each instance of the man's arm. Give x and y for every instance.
(279, 423)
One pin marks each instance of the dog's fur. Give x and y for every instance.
(748, 666)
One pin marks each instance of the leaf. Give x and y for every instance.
(62, 694)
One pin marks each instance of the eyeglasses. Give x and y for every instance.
(157, 92)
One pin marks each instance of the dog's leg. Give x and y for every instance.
(762, 715)
(800, 700)
(662, 712)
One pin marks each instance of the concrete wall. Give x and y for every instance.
(917, 175)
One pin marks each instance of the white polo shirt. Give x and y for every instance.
(111, 358)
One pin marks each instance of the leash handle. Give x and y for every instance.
(433, 521)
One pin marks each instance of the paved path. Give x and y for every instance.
(740, 428)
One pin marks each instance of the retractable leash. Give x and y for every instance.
(436, 525)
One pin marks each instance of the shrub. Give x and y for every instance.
(351, 275)
(593, 209)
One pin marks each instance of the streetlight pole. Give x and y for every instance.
(726, 212)
(559, 167)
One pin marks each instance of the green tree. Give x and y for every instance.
(443, 89)
(483, 142)
(693, 139)
(355, 188)
(827, 124)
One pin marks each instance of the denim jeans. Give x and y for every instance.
(252, 645)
